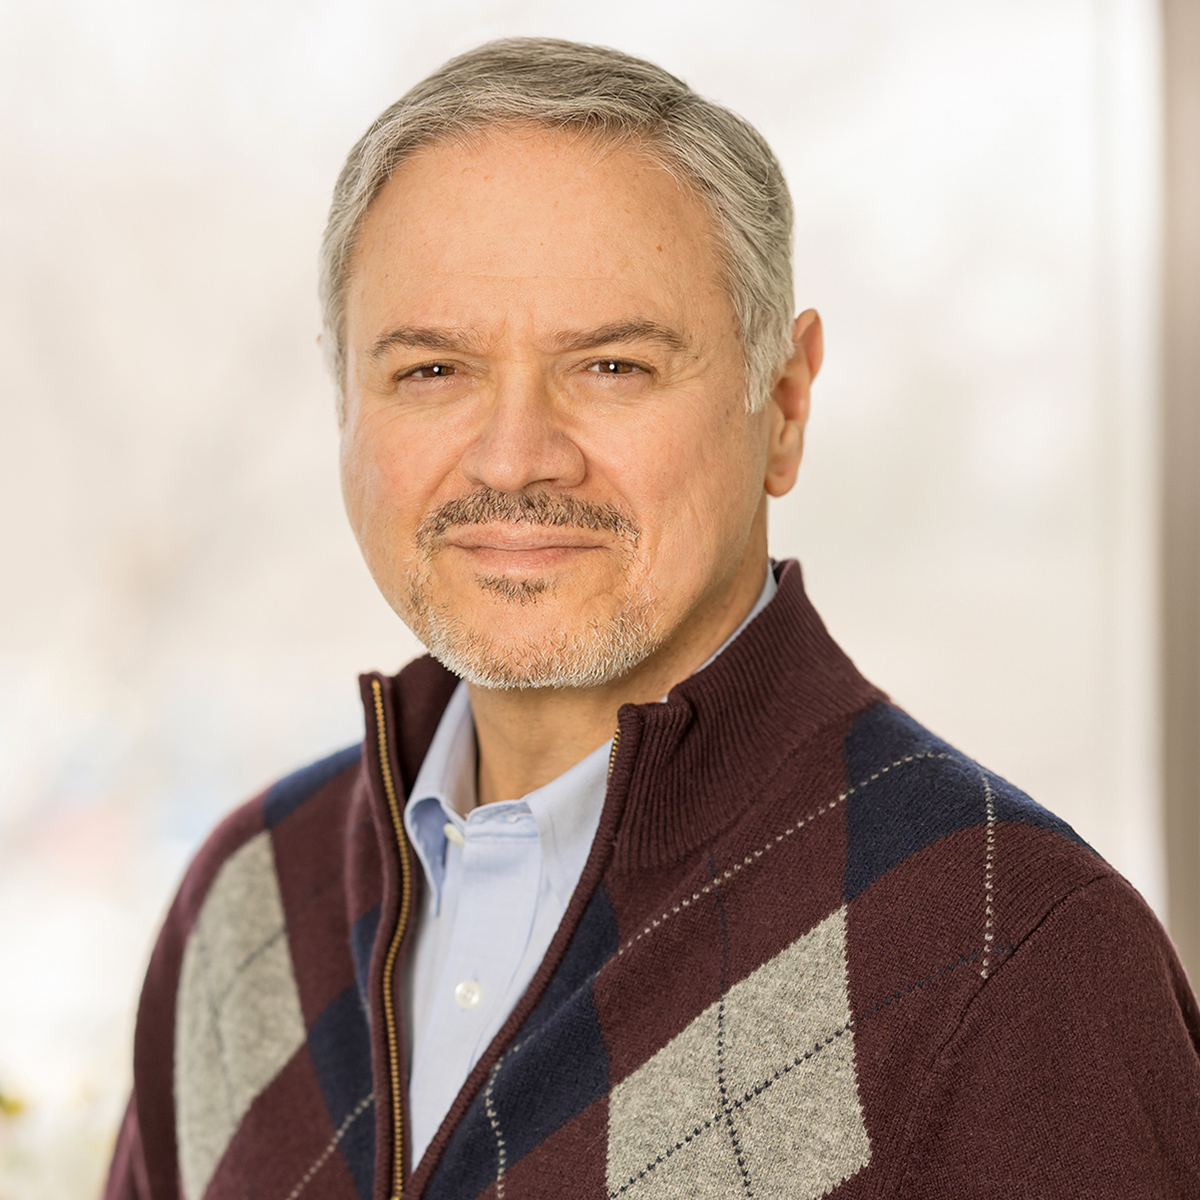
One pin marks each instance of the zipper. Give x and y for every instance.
(612, 754)
(389, 963)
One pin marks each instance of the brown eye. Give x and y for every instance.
(613, 366)
(431, 371)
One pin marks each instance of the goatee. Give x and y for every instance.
(601, 651)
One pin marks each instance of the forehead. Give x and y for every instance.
(532, 217)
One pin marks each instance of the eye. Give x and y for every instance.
(613, 366)
(429, 371)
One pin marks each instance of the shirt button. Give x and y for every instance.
(468, 994)
(453, 834)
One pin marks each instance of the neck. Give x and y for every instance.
(529, 737)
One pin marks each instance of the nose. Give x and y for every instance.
(523, 439)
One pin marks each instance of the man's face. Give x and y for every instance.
(546, 457)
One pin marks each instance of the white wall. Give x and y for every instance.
(184, 611)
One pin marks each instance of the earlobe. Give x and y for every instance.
(791, 397)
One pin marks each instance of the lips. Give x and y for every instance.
(521, 550)
(522, 539)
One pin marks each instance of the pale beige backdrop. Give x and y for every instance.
(184, 611)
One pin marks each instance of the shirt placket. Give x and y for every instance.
(496, 876)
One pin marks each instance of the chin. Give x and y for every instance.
(534, 650)
(516, 591)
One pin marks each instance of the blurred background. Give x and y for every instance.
(979, 220)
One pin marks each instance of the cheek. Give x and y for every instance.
(703, 479)
(384, 481)
(365, 481)
(352, 470)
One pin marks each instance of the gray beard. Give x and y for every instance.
(589, 658)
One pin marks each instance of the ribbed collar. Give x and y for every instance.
(689, 767)
(686, 768)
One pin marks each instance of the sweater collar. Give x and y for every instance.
(689, 767)
(684, 769)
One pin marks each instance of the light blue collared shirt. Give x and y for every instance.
(499, 878)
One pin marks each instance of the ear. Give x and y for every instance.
(789, 404)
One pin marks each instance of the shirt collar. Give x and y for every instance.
(444, 788)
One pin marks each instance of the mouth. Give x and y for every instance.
(521, 550)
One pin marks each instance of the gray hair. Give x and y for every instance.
(614, 97)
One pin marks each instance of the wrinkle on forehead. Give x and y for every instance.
(576, 240)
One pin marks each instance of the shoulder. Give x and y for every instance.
(290, 793)
(1082, 1050)
(240, 844)
(948, 871)
(1008, 987)
(920, 809)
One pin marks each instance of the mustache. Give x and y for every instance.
(524, 508)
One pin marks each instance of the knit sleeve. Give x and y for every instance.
(127, 1173)
(1074, 1072)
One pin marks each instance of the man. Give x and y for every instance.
(636, 887)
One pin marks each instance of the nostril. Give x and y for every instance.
(516, 452)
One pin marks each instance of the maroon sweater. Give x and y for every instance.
(814, 951)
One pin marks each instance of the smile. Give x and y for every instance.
(521, 549)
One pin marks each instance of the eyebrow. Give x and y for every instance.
(637, 329)
(416, 338)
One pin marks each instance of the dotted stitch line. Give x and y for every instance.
(800, 1059)
(494, 1121)
(750, 858)
(989, 862)
(753, 857)
(726, 1107)
(360, 1108)
(755, 1091)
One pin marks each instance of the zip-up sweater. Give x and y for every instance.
(814, 951)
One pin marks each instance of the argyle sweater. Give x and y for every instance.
(814, 951)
